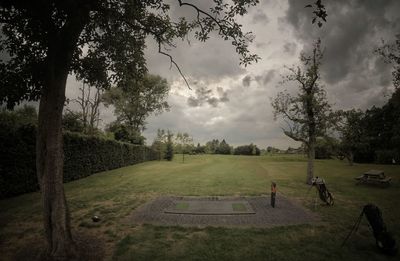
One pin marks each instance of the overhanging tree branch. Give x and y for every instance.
(159, 38)
(173, 62)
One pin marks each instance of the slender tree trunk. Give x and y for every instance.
(310, 163)
(351, 158)
(311, 135)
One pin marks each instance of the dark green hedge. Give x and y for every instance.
(17, 161)
(83, 156)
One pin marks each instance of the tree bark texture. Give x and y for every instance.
(311, 134)
(49, 141)
(310, 163)
(49, 162)
(350, 158)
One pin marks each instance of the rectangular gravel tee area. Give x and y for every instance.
(286, 212)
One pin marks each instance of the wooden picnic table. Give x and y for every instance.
(376, 177)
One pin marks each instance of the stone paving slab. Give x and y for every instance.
(210, 207)
(286, 212)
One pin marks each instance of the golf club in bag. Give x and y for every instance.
(384, 240)
(323, 192)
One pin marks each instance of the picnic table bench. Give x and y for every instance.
(375, 177)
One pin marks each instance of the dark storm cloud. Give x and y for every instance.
(354, 75)
(265, 78)
(290, 48)
(353, 29)
(213, 101)
(261, 79)
(193, 102)
(204, 95)
(246, 81)
(208, 61)
(223, 95)
(260, 17)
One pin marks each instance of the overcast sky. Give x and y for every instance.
(232, 102)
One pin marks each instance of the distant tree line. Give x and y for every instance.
(182, 143)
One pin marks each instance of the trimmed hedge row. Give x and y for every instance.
(83, 156)
(17, 161)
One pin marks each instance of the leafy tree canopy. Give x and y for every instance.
(25, 115)
(140, 98)
(72, 122)
(125, 133)
(104, 39)
(391, 53)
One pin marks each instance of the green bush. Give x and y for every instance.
(83, 156)
(247, 150)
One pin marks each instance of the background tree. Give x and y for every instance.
(351, 133)
(251, 150)
(25, 115)
(72, 121)
(273, 150)
(380, 141)
(326, 147)
(101, 42)
(137, 100)
(308, 114)
(124, 133)
(169, 151)
(211, 146)
(199, 149)
(89, 112)
(185, 143)
(160, 143)
(373, 135)
(391, 54)
(223, 148)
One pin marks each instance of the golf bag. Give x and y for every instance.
(384, 240)
(323, 192)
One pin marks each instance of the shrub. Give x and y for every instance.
(169, 154)
(247, 150)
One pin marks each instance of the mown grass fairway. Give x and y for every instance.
(114, 194)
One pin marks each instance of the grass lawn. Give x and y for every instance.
(112, 195)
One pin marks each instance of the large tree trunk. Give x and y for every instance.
(49, 162)
(49, 141)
